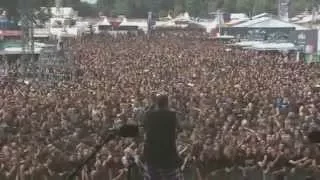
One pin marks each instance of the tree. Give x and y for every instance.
(105, 6)
(121, 7)
(71, 3)
(179, 6)
(86, 9)
(191, 6)
(230, 6)
(245, 6)
(140, 8)
(42, 15)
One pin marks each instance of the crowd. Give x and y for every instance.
(238, 109)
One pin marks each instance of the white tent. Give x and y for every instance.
(261, 15)
(273, 46)
(269, 22)
(238, 16)
(247, 43)
(62, 12)
(104, 22)
(182, 21)
(19, 50)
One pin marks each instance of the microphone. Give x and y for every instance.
(127, 130)
(314, 137)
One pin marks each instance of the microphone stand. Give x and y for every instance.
(98, 147)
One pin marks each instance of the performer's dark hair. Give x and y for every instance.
(162, 101)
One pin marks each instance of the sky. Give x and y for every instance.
(90, 1)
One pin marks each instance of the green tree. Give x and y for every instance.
(271, 6)
(193, 7)
(42, 15)
(140, 8)
(245, 6)
(230, 6)
(86, 9)
(179, 6)
(121, 7)
(298, 6)
(71, 3)
(105, 6)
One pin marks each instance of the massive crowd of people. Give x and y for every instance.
(239, 110)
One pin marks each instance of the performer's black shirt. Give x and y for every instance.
(160, 144)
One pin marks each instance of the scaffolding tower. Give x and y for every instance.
(26, 60)
(27, 27)
(53, 64)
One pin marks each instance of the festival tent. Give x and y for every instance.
(17, 48)
(183, 21)
(247, 43)
(273, 47)
(263, 28)
(269, 22)
(261, 15)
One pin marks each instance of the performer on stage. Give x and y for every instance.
(160, 150)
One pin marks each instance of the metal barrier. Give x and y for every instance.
(252, 174)
(190, 174)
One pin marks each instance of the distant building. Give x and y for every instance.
(263, 27)
(63, 12)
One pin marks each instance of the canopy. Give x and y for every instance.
(15, 47)
(273, 46)
(19, 50)
(247, 43)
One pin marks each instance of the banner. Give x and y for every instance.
(318, 41)
(5, 33)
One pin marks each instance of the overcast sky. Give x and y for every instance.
(89, 1)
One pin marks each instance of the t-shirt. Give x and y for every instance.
(160, 145)
(240, 159)
(282, 105)
(115, 167)
(13, 175)
(56, 176)
(3, 175)
(250, 160)
(201, 165)
(134, 172)
(282, 162)
(100, 174)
